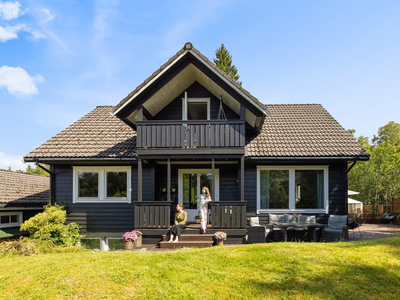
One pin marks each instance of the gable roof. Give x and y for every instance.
(187, 66)
(22, 188)
(96, 135)
(302, 130)
(291, 130)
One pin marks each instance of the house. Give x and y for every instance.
(190, 125)
(21, 197)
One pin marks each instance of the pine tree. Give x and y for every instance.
(224, 62)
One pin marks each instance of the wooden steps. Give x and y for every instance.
(188, 240)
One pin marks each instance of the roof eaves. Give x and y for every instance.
(148, 81)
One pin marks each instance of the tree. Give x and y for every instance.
(36, 170)
(377, 180)
(224, 62)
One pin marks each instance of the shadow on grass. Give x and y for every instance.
(342, 282)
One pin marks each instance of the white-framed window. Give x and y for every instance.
(114, 243)
(10, 219)
(292, 189)
(197, 109)
(102, 184)
(92, 243)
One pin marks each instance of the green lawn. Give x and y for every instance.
(363, 270)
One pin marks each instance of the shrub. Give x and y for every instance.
(27, 246)
(49, 225)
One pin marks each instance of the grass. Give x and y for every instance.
(362, 270)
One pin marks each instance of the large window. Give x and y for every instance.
(105, 184)
(292, 188)
(10, 219)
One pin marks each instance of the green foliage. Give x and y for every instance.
(49, 225)
(378, 180)
(26, 246)
(35, 170)
(224, 62)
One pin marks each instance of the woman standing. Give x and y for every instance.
(202, 207)
(180, 224)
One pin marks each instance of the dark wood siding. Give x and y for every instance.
(98, 217)
(173, 111)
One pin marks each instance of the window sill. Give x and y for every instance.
(102, 201)
(288, 211)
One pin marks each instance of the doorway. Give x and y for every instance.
(191, 181)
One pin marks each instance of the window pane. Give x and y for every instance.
(309, 189)
(91, 243)
(190, 191)
(115, 244)
(5, 219)
(88, 184)
(14, 219)
(274, 189)
(117, 184)
(197, 111)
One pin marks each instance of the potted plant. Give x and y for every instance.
(220, 237)
(197, 218)
(132, 239)
(173, 187)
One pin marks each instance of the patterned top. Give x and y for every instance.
(202, 201)
(181, 218)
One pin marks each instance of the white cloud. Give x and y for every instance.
(45, 16)
(11, 32)
(9, 10)
(18, 82)
(14, 161)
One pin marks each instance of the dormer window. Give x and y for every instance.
(196, 109)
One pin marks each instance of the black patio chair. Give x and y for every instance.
(353, 225)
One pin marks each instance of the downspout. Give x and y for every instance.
(51, 173)
(346, 194)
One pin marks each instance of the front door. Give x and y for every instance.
(190, 184)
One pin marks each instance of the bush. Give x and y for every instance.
(49, 226)
(27, 246)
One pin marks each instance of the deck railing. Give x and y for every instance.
(152, 214)
(228, 214)
(190, 134)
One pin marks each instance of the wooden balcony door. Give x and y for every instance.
(191, 181)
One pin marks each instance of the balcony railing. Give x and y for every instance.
(190, 134)
(228, 214)
(152, 214)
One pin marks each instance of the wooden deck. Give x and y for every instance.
(193, 234)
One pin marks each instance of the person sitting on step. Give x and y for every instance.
(180, 224)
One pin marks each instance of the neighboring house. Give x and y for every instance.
(190, 125)
(22, 196)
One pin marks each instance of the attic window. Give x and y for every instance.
(197, 109)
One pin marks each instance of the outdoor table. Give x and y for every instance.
(311, 228)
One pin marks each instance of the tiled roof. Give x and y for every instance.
(302, 130)
(96, 135)
(188, 46)
(23, 188)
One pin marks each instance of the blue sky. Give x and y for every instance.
(60, 59)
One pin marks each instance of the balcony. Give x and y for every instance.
(190, 134)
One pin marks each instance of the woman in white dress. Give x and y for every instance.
(202, 207)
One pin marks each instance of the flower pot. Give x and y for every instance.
(220, 242)
(138, 242)
(197, 221)
(173, 190)
(128, 245)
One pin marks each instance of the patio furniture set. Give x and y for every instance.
(302, 227)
